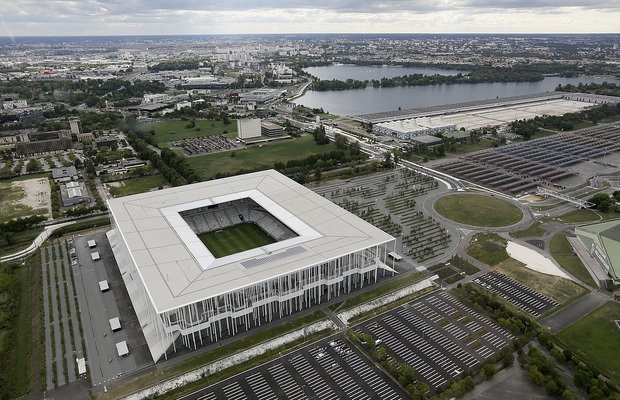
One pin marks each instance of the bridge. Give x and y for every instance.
(578, 202)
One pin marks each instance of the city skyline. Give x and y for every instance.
(189, 17)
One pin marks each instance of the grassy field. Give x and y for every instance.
(471, 147)
(136, 185)
(582, 216)
(208, 166)
(478, 210)
(19, 241)
(167, 131)
(22, 348)
(491, 250)
(559, 289)
(235, 239)
(488, 248)
(562, 251)
(596, 338)
(377, 292)
(534, 230)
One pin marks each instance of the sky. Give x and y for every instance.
(191, 17)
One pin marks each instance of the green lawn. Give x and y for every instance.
(596, 338)
(562, 251)
(264, 157)
(235, 239)
(136, 185)
(471, 147)
(167, 131)
(582, 216)
(534, 230)
(488, 248)
(377, 292)
(478, 210)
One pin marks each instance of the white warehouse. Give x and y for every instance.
(183, 295)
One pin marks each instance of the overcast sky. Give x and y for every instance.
(178, 17)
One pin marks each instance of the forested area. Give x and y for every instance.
(605, 88)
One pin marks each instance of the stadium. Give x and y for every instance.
(208, 260)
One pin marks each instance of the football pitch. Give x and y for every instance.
(235, 239)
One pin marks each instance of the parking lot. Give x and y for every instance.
(97, 307)
(330, 369)
(438, 336)
(517, 293)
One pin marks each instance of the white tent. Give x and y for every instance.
(103, 286)
(121, 348)
(115, 324)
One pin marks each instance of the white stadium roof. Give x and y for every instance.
(177, 269)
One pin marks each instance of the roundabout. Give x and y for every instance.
(478, 210)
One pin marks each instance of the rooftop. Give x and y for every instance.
(177, 269)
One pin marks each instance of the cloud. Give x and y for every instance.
(100, 17)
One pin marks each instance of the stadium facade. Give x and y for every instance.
(184, 296)
(602, 240)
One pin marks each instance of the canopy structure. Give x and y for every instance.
(115, 324)
(121, 348)
(103, 286)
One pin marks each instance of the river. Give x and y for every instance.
(371, 100)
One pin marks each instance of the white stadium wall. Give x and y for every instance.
(184, 296)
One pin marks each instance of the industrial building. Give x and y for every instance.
(184, 296)
(406, 129)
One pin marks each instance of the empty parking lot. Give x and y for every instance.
(517, 293)
(438, 336)
(330, 369)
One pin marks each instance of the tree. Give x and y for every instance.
(489, 370)
(387, 159)
(601, 201)
(33, 165)
(341, 141)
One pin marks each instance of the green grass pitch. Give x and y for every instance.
(235, 239)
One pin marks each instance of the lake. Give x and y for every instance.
(371, 100)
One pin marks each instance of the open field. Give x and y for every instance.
(167, 131)
(136, 185)
(534, 230)
(596, 337)
(235, 239)
(23, 198)
(559, 289)
(20, 337)
(478, 210)
(562, 251)
(581, 216)
(267, 155)
(491, 250)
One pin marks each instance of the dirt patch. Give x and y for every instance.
(37, 194)
(530, 198)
